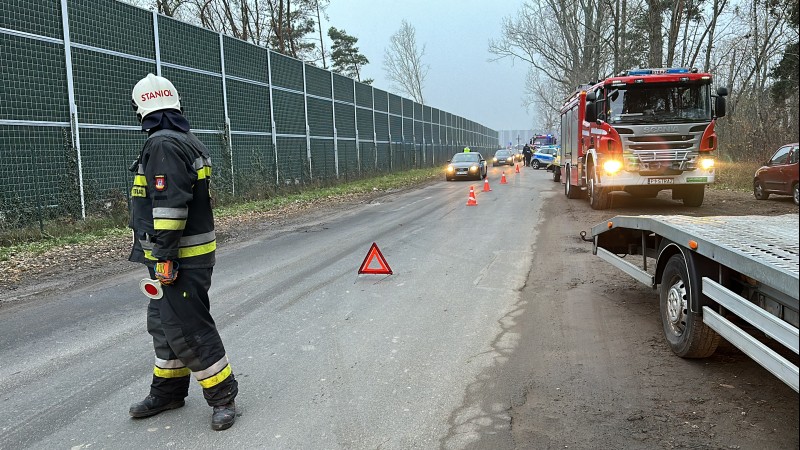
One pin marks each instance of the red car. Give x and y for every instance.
(778, 175)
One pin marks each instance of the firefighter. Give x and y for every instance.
(173, 227)
(467, 150)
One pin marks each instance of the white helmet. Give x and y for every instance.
(154, 93)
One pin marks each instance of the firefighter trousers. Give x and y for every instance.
(186, 341)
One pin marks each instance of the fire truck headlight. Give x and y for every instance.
(612, 166)
(707, 163)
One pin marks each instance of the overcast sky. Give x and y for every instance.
(456, 33)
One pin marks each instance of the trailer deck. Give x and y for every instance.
(770, 246)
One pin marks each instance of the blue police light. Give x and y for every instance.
(640, 72)
(678, 70)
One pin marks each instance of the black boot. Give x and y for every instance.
(223, 416)
(153, 405)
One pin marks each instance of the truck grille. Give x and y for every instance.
(648, 156)
(661, 154)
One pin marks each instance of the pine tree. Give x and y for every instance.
(345, 55)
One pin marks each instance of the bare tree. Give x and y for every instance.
(563, 41)
(543, 100)
(283, 25)
(169, 7)
(403, 64)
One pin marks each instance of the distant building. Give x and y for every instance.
(514, 137)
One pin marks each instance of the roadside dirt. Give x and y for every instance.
(596, 371)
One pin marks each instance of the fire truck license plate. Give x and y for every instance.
(659, 180)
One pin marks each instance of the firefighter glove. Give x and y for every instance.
(166, 272)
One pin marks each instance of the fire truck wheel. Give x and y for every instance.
(686, 334)
(693, 195)
(569, 190)
(599, 198)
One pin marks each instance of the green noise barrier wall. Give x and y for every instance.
(68, 134)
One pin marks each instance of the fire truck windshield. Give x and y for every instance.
(657, 103)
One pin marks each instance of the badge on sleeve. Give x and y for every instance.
(161, 182)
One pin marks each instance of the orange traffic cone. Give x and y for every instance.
(516, 168)
(503, 179)
(486, 187)
(471, 200)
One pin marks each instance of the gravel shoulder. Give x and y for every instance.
(595, 371)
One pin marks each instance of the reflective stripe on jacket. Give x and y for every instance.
(171, 214)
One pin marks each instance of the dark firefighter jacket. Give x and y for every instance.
(171, 213)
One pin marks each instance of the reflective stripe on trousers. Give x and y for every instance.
(184, 330)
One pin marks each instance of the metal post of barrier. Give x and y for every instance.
(374, 130)
(272, 118)
(227, 130)
(308, 129)
(335, 134)
(156, 42)
(73, 108)
(446, 134)
(355, 122)
(438, 136)
(423, 137)
(389, 126)
(403, 125)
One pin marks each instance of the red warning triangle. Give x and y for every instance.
(375, 253)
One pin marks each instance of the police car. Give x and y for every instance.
(544, 156)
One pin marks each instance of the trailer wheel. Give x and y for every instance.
(569, 190)
(686, 334)
(693, 195)
(599, 198)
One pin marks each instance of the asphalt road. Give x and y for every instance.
(325, 358)
(498, 330)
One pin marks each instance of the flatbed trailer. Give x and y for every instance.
(729, 276)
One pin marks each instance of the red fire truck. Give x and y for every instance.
(541, 140)
(643, 131)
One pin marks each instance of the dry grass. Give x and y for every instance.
(735, 176)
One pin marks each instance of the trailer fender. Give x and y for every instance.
(697, 267)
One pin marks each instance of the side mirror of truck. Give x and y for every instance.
(591, 112)
(720, 106)
(722, 91)
(591, 96)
